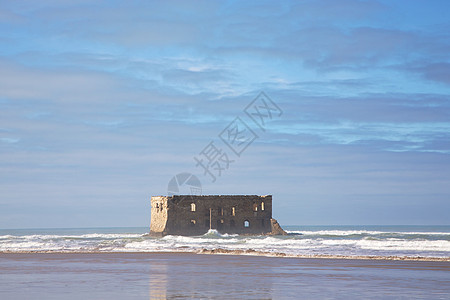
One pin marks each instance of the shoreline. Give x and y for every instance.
(249, 252)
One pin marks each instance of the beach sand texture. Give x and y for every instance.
(188, 275)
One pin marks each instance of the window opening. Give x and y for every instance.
(219, 224)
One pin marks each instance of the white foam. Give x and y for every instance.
(401, 245)
(362, 232)
(334, 232)
(312, 243)
(5, 237)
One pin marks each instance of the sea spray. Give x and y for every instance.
(332, 241)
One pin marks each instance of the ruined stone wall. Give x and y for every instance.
(190, 215)
(158, 214)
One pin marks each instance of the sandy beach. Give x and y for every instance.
(188, 275)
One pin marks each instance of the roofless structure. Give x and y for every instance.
(195, 215)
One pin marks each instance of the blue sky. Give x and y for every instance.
(103, 102)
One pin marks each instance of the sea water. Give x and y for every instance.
(400, 241)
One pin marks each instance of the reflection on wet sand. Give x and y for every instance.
(158, 280)
(186, 275)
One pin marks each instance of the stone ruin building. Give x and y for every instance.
(195, 215)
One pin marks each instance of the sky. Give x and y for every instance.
(102, 103)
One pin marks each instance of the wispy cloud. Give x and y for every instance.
(102, 102)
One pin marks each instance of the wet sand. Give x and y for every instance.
(251, 252)
(188, 275)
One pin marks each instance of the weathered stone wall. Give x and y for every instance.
(190, 215)
(158, 214)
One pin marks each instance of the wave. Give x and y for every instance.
(361, 232)
(319, 242)
(372, 235)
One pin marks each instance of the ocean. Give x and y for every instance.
(348, 241)
(313, 262)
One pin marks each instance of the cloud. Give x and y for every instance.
(9, 17)
(9, 140)
(62, 85)
(387, 122)
(434, 71)
(313, 11)
(132, 24)
(200, 77)
(327, 48)
(438, 72)
(101, 103)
